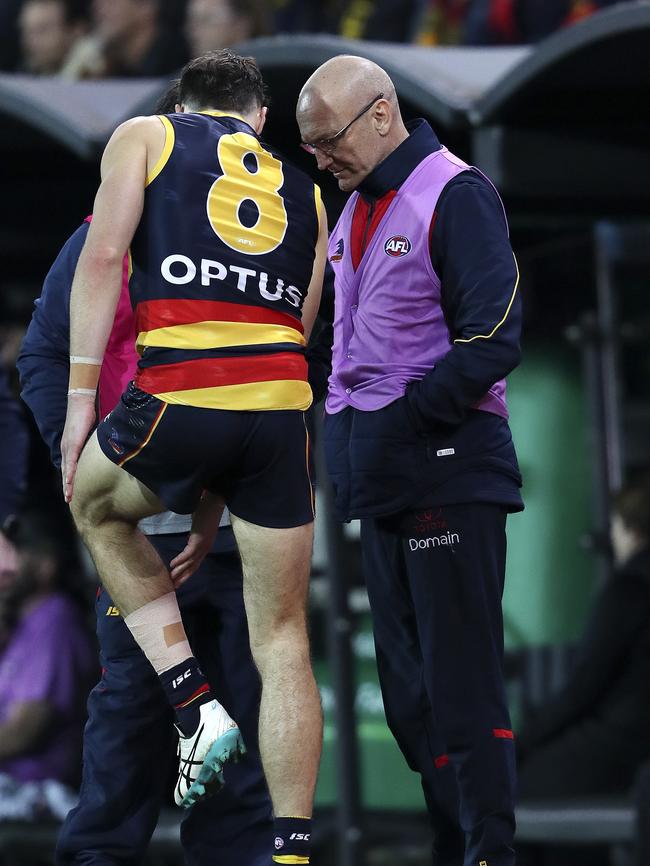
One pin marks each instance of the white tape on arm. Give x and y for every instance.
(85, 392)
(80, 359)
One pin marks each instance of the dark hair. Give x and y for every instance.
(45, 534)
(223, 80)
(632, 504)
(168, 101)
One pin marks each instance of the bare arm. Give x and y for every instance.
(312, 301)
(98, 277)
(117, 211)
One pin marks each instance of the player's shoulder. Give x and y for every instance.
(141, 128)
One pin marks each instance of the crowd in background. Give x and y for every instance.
(83, 39)
(48, 658)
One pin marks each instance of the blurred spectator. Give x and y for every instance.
(48, 31)
(8, 569)
(499, 22)
(442, 22)
(13, 457)
(536, 19)
(480, 22)
(298, 16)
(213, 24)
(48, 660)
(592, 737)
(9, 42)
(129, 39)
(379, 20)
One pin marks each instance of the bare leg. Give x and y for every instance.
(276, 565)
(106, 506)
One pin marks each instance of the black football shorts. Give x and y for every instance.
(258, 461)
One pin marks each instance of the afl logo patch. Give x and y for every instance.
(398, 245)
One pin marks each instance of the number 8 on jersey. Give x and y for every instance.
(250, 174)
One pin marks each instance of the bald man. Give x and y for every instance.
(426, 328)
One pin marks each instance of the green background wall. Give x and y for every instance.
(549, 577)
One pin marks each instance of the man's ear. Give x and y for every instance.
(179, 109)
(383, 117)
(259, 126)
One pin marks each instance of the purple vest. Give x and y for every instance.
(389, 327)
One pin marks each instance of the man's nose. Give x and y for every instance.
(323, 160)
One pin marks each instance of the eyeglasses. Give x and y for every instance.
(329, 145)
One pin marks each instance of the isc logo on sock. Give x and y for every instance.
(179, 680)
(299, 836)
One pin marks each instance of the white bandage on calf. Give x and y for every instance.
(158, 629)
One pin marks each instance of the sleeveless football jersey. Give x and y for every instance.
(221, 263)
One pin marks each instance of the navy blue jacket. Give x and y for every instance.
(384, 461)
(44, 359)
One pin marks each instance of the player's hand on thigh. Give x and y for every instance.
(79, 422)
(205, 524)
(189, 559)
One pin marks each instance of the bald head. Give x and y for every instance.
(337, 91)
(345, 78)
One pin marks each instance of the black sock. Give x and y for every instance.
(186, 689)
(292, 840)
